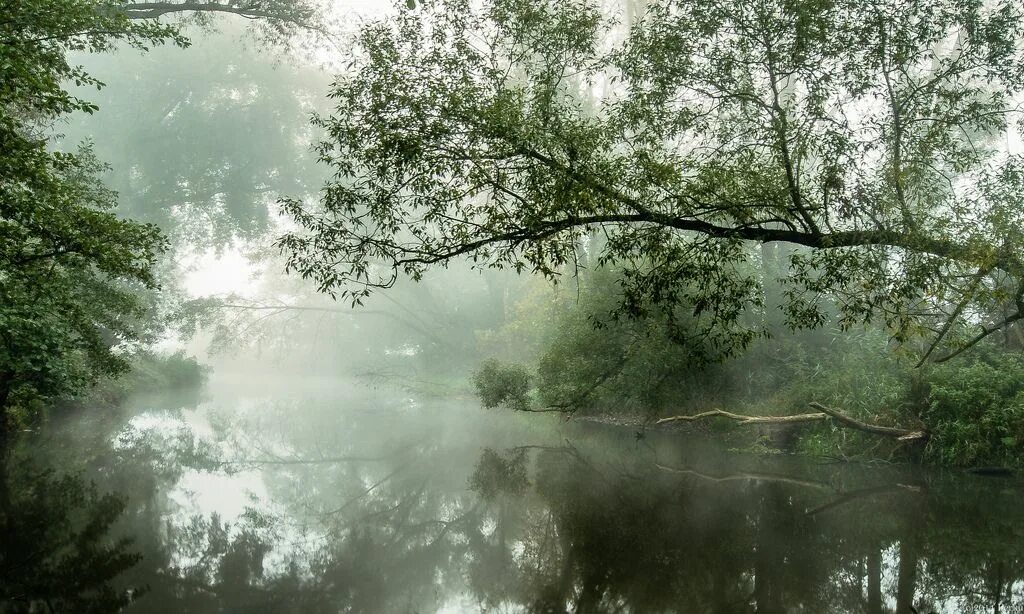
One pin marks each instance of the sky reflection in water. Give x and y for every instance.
(332, 497)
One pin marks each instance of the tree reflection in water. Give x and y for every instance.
(56, 552)
(606, 527)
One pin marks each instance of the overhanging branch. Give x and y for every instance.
(293, 14)
(153, 10)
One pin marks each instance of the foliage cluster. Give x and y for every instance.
(595, 361)
(591, 363)
(510, 131)
(976, 410)
(71, 270)
(151, 372)
(232, 128)
(503, 385)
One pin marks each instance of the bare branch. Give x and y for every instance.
(985, 332)
(823, 414)
(742, 419)
(888, 431)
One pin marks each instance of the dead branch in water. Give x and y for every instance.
(823, 413)
(887, 431)
(742, 419)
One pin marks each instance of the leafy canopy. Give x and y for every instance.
(70, 269)
(231, 129)
(518, 133)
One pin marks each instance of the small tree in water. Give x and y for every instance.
(498, 384)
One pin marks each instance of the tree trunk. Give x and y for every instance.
(743, 419)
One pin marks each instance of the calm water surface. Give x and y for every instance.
(320, 496)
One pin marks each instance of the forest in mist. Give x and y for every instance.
(337, 239)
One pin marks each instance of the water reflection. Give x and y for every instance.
(368, 505)
(56, 551)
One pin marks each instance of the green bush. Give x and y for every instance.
(594, 363)
(976, 411)
(498, 384)
(151, 373)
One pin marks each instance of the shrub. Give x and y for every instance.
(498, 384)
(150, 373)
(976, 411)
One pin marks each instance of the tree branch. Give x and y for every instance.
(153, 10)
(956, 314)
(833, 240)
(823, 414)
(887, 431)
(815, 239)
(742, 419)
(985, 332)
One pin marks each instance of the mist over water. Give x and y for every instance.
(290, 494)
(668, 331)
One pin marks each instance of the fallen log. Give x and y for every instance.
(887, 431)
(823, 413)
(742, 419)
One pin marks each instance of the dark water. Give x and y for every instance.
(320, 497)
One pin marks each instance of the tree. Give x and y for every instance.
(862, 132)
(70, 269)
(230, 125)
(275, 21)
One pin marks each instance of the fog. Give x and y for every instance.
(503, 306)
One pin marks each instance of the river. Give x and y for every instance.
(289, 495)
